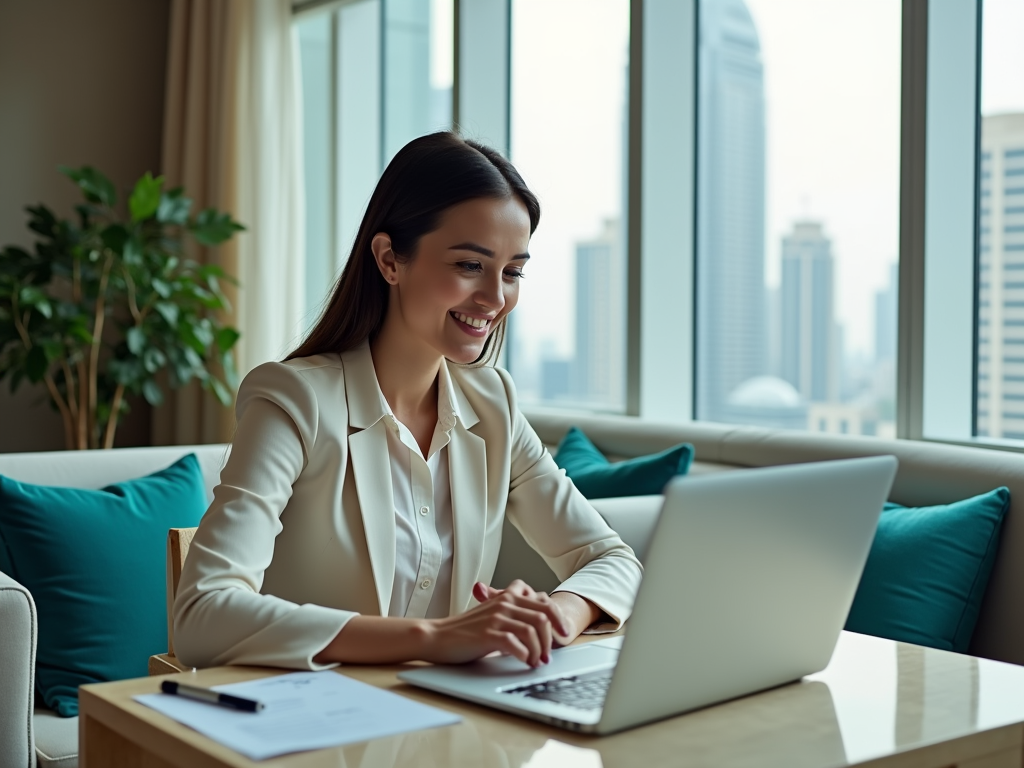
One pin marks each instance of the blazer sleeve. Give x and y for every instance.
(220, 617)
(556, 520)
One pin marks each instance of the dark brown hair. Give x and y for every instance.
(428, 176)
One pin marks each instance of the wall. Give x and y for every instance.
(81, 82)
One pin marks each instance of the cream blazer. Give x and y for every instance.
(300, 536)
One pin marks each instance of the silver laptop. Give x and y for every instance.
(748, 581)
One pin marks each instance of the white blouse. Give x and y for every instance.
(423, 512)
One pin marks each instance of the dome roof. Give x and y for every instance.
(765, 392)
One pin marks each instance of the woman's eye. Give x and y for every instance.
(471, 266)
(515, 274)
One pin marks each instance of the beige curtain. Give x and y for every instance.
(232, 139)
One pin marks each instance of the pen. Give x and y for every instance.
(210, 696)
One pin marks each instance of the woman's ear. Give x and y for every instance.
(385, 257)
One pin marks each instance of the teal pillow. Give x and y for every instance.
(927, 571)
(95, 563)
(598, 478)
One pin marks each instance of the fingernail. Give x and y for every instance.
(545, 658)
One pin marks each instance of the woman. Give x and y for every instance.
(359, 516)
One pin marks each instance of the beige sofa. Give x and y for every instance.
(928, 474)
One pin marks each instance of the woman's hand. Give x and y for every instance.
(517, 621)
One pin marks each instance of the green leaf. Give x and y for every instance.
(203, 331)
(168, 311)
(226, 338)
(132, 251)
(174, 207)
(36, 364)
(211, 270)
(96, 187)
(223, 393)
(152, 393)
(163, 289)
(227, 361)
(33, 297)
(136, 340)
(145, 199)
(153, 360)
(114, 237)
(212, 227)
(194, 359)
(80, 332)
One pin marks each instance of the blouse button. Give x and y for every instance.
(424, 510)
(425, 584)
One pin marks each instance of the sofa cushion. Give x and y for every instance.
(927, 571)
(596, 477)
(94, 562)
(56, 740)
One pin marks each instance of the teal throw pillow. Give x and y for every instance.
(95, 563)
(598, 478)
(927, 571)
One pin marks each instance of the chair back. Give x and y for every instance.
(178, 542)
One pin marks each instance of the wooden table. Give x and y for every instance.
(879, 703)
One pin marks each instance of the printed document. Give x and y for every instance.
(304, 710)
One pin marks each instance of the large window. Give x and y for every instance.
(787, 213)
(1000, 335)
(568, 139)
(798, 213)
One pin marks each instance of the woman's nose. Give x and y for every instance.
(492, 294)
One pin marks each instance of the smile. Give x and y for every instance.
(475, 326)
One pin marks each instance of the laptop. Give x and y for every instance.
(748, 581)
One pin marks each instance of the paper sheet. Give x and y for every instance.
(304, 710)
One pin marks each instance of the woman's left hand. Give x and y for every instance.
(577, 613)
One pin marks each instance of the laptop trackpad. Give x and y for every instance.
(564, 661)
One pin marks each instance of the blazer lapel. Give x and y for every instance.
(368, 449)
(371, 465)
(467, 470)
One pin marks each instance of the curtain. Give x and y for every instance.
(232, 139)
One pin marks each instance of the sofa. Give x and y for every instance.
(929, 473)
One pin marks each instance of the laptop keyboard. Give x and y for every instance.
(579, 691)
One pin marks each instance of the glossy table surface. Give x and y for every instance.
(877, 700)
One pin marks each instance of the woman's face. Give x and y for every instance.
(464, 277)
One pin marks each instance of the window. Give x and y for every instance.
(787, 213)
(798, 213)
(569, 64)
(375, 74)
(1001, 321)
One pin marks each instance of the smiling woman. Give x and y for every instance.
(359, 516)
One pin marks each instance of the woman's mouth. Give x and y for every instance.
(474, 326)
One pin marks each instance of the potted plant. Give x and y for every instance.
(109, 305)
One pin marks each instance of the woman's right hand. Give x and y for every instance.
(518, 622)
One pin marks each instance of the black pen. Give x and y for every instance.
(210, 696)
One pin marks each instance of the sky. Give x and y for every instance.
(1002, 57)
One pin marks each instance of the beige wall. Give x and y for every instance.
(81, 82)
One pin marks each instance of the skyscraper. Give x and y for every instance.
(598, 376)
(808, 313)
(886, 303)
(731, 336)
(1001, 279)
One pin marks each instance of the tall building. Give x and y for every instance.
(598, 372)
(886, 307)
(731, 338)
(1001, 283)
(809, 350)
